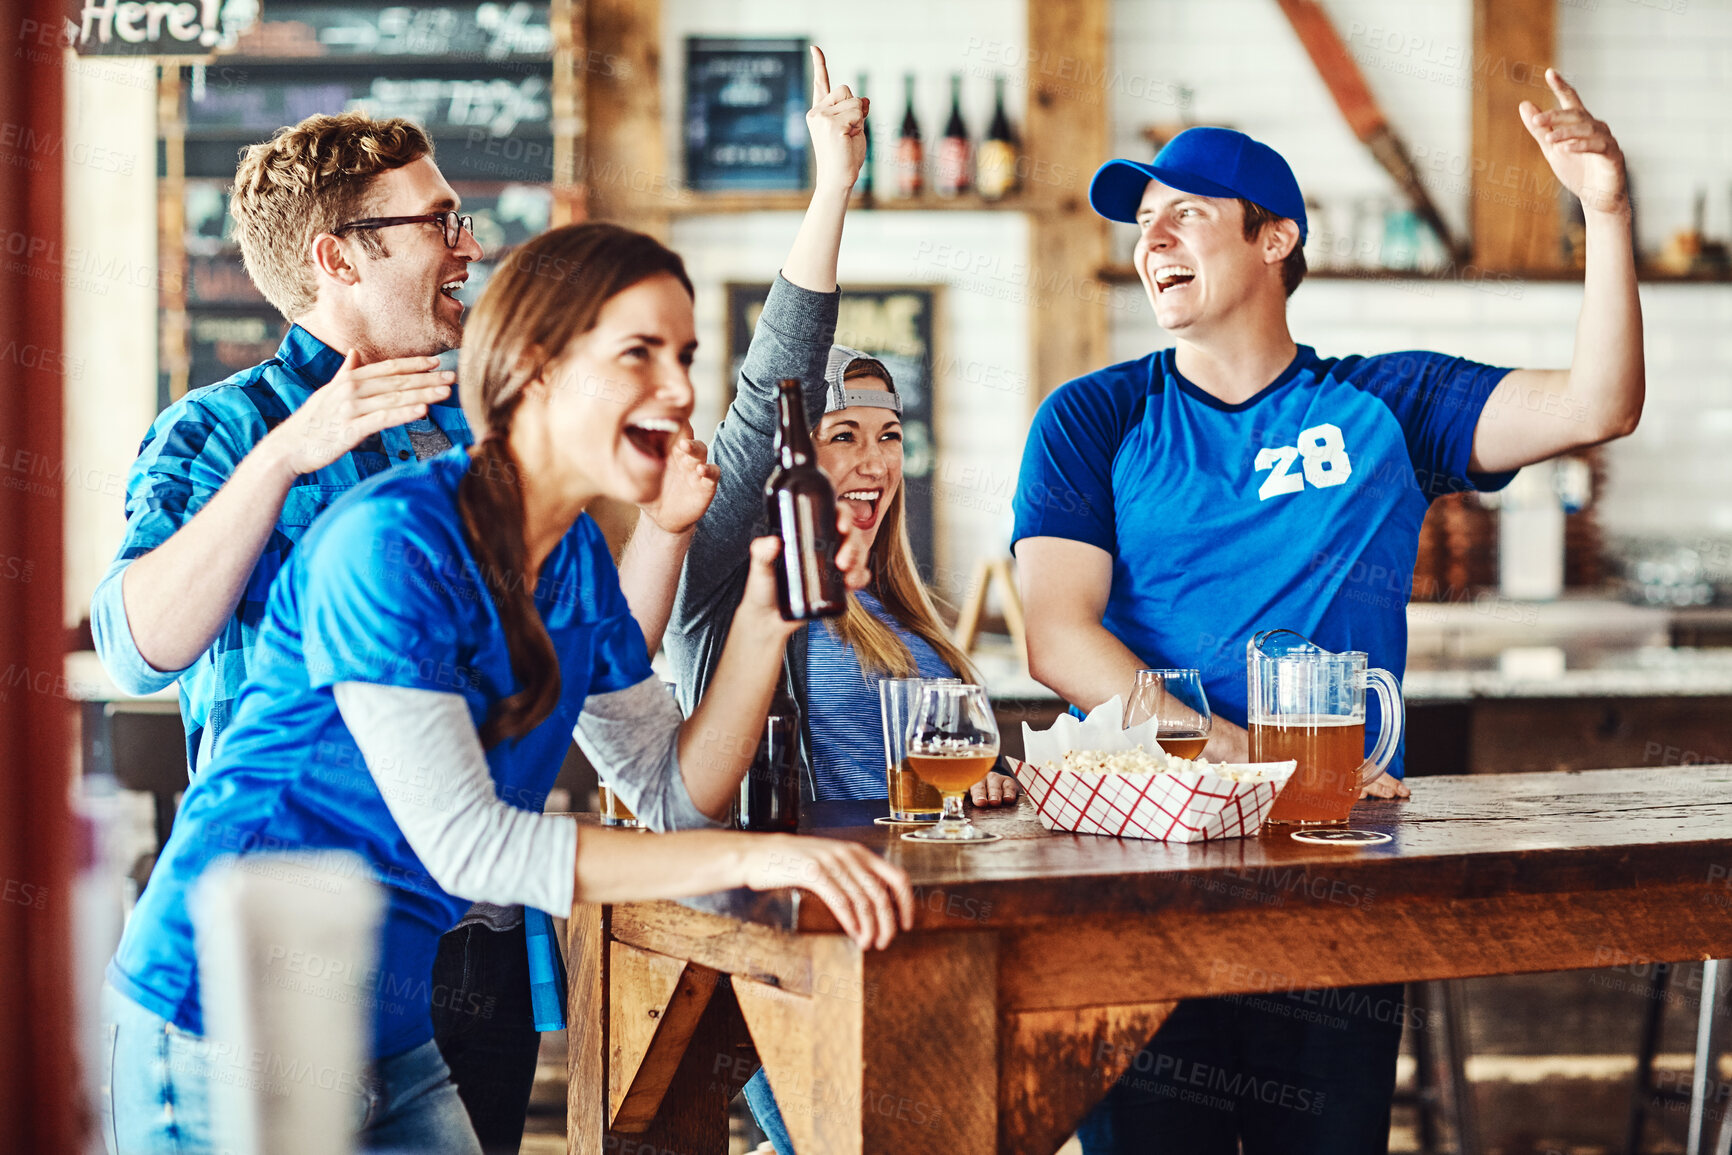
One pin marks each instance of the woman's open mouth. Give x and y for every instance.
(653, 436)
(862, 505)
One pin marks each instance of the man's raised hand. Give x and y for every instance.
(1581, 150)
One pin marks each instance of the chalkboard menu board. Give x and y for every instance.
(477, 77)
(746, 104)
(894, 323)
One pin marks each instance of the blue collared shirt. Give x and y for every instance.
(192, 448)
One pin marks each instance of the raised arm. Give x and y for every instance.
(196, 532)
(792, 338)
(1539, 413)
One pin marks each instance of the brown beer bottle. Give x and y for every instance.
(802, 510)
(769, 800)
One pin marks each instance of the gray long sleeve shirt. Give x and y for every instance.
(792, 339)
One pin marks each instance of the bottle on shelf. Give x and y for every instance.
(769, 801)
(995, 166)
(951, 176)
(801, 505)
(910, 154)
(864, 184)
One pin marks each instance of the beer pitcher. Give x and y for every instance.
(1308, 704)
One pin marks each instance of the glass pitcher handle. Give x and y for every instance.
(1388, 691)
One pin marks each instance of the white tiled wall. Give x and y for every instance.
(1658, 71)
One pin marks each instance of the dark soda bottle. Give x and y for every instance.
(802, 510)
(770, 791)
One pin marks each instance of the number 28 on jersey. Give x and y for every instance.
(1322, 458)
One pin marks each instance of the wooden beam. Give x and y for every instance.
(586, 1107)
(1066, 139)
(1054, 1066)
(1095, 960)
(1340, 74)
(569, 21)
(647, 1040)
(626, 170)
(1514, 196)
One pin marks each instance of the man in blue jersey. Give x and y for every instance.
(1170, 507)
(348, 227)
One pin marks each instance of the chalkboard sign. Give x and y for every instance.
(746, 107)
(131, 28)
(511, 31)
(894, 323)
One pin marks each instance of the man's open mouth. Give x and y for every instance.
(1172, 276)
(452, 288)
(862, 505)
(653, 436)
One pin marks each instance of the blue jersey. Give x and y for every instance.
(1298, 508)
(382, 589)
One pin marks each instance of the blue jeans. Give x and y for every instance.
(1296, 1073)
(762, 1101)
(157, 1083)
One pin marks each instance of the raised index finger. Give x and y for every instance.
(1567, 96)
(820, 76)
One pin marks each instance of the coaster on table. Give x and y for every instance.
(1342, 835)
(889, 821)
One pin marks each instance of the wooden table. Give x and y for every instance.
(1039, 965)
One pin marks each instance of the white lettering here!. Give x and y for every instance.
(1322, 454)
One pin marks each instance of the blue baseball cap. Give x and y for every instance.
(1210, 162)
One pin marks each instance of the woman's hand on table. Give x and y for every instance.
(994, 790)
(1386, 786)
(869, 897)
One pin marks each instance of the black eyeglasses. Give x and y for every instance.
(453, 224)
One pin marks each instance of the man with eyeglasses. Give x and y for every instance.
(349, 229)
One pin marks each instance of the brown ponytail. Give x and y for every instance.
(543, 294)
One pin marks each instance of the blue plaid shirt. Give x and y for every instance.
(192, 448)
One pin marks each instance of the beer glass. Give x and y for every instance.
(952, 743)
(613, 811)
(1308, 704)
(1176, 700)
(912, 799)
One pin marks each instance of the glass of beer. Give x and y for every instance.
(613, 811)
(1176, 700)
(952, 743)
(912, 799)
(1308, 704)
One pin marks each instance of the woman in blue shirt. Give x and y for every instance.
(891, 628)
(427, 653)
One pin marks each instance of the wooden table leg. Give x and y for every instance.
(657, 1045)
(893, 1051)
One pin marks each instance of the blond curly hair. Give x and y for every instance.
(306, 180)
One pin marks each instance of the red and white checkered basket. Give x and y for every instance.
(1183, 807)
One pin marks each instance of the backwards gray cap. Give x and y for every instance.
(839, 396)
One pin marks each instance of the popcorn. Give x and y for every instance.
(1092, 777)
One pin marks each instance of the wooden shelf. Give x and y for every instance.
(795, 200)
(1125, 274)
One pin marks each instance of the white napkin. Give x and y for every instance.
(1099, 731)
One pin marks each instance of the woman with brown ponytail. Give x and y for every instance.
(427, 653)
